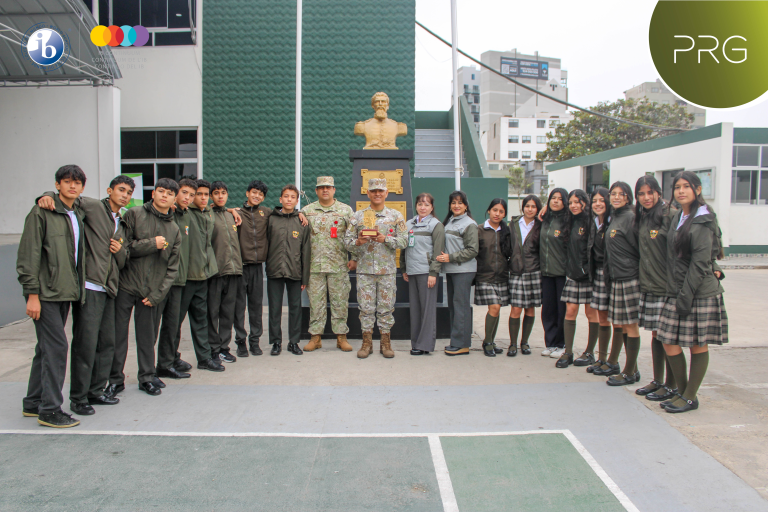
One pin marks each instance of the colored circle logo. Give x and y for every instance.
(45, 46)
(119, 36)
(711, 53)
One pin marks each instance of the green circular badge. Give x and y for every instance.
(711, 53)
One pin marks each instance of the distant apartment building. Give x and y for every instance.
(469, 86)
(657, 92)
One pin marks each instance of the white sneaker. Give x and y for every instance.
(557, 353)
(547, 351)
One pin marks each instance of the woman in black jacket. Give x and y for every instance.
(694, 313)
(552, 258)
(578, 287)
(522, 249)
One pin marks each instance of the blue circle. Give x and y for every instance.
(129, 35)
(45, 46)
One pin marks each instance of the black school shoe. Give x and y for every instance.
(585, 359)
(276, 349)
(211, 364)
(661, 395)
(598, 364)
(255, 349)
(103, 400)
(182, 366)
(241, 350)
(688, 405)
(525, 349)
(171, 373)
(294, 348)
(565, 361)
(113, 389)
(655, 386)
(512, 352)
(497, 349)
(416, 352)
(157, 382)
(81, 409)
(57, 419)
(623, 379)
(226, 357)
(613, 369)
(489, 351)
(150, 389)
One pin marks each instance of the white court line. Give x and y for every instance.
(443, 477)
(446, 497)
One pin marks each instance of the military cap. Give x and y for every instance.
(324, 181)
(377, 184)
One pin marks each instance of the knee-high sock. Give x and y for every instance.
(569, 327)
(592, 340)
(604, 338)
(699, 363)
(528, 322)
(491, 324)
(678, 365)
(659, 360)
(514, 330)
(616, 344)
(670, 380)
(633, 349)
(495, 329)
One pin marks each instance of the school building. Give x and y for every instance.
(731, 162)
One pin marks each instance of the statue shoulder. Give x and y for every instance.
(402, 129)
(360, 127)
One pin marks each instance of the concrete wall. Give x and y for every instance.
(43, 129)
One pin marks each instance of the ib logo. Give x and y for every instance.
(46, 46)
(119, 36)
(711, 53)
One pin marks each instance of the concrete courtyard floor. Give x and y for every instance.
(715, 458)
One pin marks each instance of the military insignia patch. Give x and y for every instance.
(234, 227)
(613, 233)
(261, 213)
(654, 234)
(295, 234)
(581, 231)
(186, 229)
(557, 233)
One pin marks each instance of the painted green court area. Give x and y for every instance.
(540, 472)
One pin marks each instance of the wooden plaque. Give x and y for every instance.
(394, 180)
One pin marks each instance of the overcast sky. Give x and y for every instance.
(602, 44)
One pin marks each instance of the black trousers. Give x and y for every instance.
(250, 292)
(222, 296)
(144, 321)
(194, 300)
(275, 287)
(168, 342)
(553, 310)
(49, 366)
(93, 346)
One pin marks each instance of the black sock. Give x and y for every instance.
(678, 365)
(491, 324)
(604, 338)
(514, 330)
(592, 340)
(699, 364)
(569, 328)
(616, 344)
(633, 349)
(659, 360)
(670, 380)
(527, 328)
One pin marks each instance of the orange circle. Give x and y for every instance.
(100, 35)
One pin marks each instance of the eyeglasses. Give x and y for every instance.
(618, 194)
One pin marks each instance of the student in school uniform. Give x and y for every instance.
(460, 267)
(492, 279)
(694, 313)
(578, 287)
(553, 257)
(426, 238)
(601, 206)
(522, 250)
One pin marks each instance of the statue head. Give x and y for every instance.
(380, 104)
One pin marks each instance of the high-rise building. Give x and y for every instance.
(657, 92)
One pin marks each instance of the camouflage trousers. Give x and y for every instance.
(336, 286)
(376, 295)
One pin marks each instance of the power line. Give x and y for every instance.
(557, 100)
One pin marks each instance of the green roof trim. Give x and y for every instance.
(709, 132)
(750, 135)
(433, 120)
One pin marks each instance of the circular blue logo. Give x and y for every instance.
(45, 46)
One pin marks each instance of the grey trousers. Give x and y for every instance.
(423, 304)
(222, 297)
(168, 343)
(49, 366)
(251, 292)
(93, 346)
(275, 287)
(460, 308)
(194, 300)
(144, 321)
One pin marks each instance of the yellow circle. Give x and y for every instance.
(100, 35)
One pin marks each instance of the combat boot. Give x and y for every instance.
(386, 347)
(367, 347)
(314, 343)
(341, 342)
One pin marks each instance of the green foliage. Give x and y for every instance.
(518, 182)
(587, 134)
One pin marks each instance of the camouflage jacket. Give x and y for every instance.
(374, 257)
(328, 254)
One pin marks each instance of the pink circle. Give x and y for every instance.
(142, 35)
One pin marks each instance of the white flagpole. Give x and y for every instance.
(298, 98)
(456, 102)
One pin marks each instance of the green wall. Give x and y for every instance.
(480, 192)
(350, 50)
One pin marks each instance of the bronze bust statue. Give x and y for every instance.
(379, 131)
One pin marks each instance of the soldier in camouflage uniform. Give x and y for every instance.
(328, 271)
(376, 266)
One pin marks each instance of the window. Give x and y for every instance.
(744, 186)
(494, 130)
(541, 123)
(526, 154)
(597, 175)
(158, 154)
(473, 76)
(541, 139)
(750, 186)
(526, 139)
(654, 89)
(168, 21)
(514, 139)
(746, 156)
(475, 88)
(513, 154)
(466, 87)
(477, 118)
(514, 123)
(477, 98)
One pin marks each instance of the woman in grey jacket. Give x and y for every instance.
(426, 238)
(460, 267)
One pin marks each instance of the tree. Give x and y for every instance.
(587, 134)
(544, 192)
(518, 182)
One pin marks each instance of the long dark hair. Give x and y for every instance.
(584, 200)
(656, 213)
(602, 191)
(624, 186)
(537, 201)
(563, 195)
(456, 194)
(683, 240)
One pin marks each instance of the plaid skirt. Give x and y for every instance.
(525, 290)
(706, 324)
(491, 293)
(599, 291)
(624, 302)
(576, 292)
(650, 311)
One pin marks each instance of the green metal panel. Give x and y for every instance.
(746, 249)
(433, 120)
(750, 135)
(477, 165)
(480, 192)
